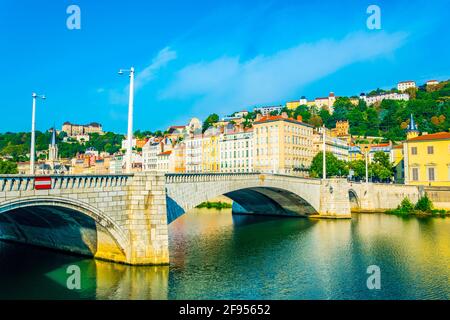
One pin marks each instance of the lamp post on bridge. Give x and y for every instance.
(324, 154)
(33, 132)
(367, 165)
(128, 156)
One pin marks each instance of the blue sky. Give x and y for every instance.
(193, 58)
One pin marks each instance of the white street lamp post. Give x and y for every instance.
(367, 169)
(128, 157)
(324, 162)
(33, 132)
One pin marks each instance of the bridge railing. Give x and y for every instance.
(27, 182)
(205, 177)
(208, 177)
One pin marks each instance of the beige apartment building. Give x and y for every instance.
(282, 145)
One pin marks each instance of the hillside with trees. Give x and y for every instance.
(16, 146)
(388, 119)
(430, 107)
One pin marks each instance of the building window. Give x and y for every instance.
(430, 149)
(414, 150)
(415, 174)
(430, 174)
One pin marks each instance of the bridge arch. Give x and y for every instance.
(354, 199)
(251, 193)
(65, 224)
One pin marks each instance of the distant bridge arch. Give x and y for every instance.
(252, 193)
(354, 199)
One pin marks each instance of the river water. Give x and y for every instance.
(215, 255)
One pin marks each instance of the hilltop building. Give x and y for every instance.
(404, 85)
(386, 96)
(326, 102)
(74, 130)
(265, 111)
(432, 83)
(320, 103)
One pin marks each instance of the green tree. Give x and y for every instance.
(424, 204)
(325, 116)
(381, 169)
(210, 120)
(274, 113)
(334, 166)
(8, 167)
(358, 125)
(372, 122)
(359, 169)
(304, 112)
(289, 112)
(315, 121)
(342, 107)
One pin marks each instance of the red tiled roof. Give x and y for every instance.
(380, 145)
(280, 118)
(432, 136)
(165, 153)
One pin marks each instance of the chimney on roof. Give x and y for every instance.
(299, 118)
(284, 115)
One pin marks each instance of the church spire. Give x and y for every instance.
(53, 137)
(53, 149)
(412, 130)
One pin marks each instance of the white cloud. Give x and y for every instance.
(227, 83)
(144, 76)
(148, 73)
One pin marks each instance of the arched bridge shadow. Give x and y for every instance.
(265, 201)
(59, 228)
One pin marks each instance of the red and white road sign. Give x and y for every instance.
(42, 183)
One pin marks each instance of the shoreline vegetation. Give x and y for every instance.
(423, 208)
(219, 205)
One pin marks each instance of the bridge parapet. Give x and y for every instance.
(26, 182)
(206, 177)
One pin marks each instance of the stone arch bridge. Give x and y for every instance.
(124, 218)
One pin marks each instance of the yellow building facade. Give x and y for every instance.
(427, 159)
(292, 105)
(178, 160)
(210, 150)
(282, 145)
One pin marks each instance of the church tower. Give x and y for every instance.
(412, 130)
(53, 151)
